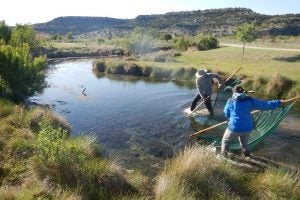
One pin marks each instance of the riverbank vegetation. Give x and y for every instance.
(21, 73)
(39, 159)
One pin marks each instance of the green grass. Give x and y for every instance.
(39, 160)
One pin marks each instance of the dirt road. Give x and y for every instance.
(254, 47)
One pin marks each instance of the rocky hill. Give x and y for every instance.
(218, 22)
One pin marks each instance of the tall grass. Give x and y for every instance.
(197, 174)
(277, 183)
(35, 147)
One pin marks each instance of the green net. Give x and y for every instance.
(265, 123)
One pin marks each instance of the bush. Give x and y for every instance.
(278, 86)
(207, 43)
(99, 66)
(182, 44)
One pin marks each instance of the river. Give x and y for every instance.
(139, 123)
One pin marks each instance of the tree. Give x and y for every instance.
(24, 34)
(246, 33)
(5, 32)
(20, 74)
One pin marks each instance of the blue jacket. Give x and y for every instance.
(238, 111)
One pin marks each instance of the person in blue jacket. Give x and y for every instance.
(240, 123)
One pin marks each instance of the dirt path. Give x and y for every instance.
(255, 47)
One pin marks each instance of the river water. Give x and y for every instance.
(139, 123)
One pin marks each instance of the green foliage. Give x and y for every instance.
(5, 32)
(100, 40)
(20, 76)
(69, 36)
(56, 37)
(72, 162)
(181, 43)
(207, 43)
(246, 33)
(6, 107)
(24, 34)
(166, 37)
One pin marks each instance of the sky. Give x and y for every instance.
(39, 11)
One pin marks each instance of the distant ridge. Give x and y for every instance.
(218, 22)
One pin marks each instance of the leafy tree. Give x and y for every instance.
(24, 34)
(20, 75)
(246, 33)
(5, 32)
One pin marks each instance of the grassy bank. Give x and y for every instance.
(272, 74)
(40, 161)
(197, 173)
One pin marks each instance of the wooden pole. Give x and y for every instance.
(214, 126)
(291, 99)
(198, 106)
(236, 71)
(224, 122)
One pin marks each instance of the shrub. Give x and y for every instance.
(184, 74)
(166, 37)
(6, 108)
(207, 43)
(99, 66)
(73, 162)
(115, 67)
(182, 44)
(278, 86)
(160, 73)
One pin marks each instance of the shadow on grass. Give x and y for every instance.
(289, 59)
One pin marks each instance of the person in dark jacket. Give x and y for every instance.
(240, 123)
(204, 82)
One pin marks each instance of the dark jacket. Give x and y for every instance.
(204, 83)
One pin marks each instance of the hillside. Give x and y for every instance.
(219, 22)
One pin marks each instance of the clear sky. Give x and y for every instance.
(38, 11)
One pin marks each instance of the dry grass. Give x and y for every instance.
(198, 174)
(277, 184)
